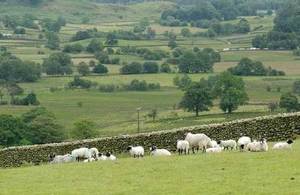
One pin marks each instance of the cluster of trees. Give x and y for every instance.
(199, 96)
(248, 67)
(285, 34)
(195, 12)
(146, 53)
(25, 2)
(16, 70)
(196, 60)
(37, 126)
(146, 67)
(58, 64)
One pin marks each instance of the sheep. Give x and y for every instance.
(89, 160)
(94, 153)
(243, 142)
(159, 152)
(283, 145)
(110, 156)
(198, 141)
(214, 144)
(214, 150)
(137, 151)
(54, 159)
(228, 144)
(101, 156)
(256, 146)
(183, 146)
(81, 153)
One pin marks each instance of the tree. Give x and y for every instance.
(52, 40)
(150, 67)
(14, 89)
(272, 106)
(231, 90)
(182, 82)
(132, 68)
(150, 34)
(83, 69)
(20, 31)
(289, 102)
(84, 129)
(243, 26)
(34, 113)
(31, 99)
(58, 64)
(102, 57)
(100, 69)
(165, 68)
(197, 97)
(153, 114)
(185, 32)
(75, 48)
(111, 39)
(172, 44)
(94, 46)
(296, 87)
(11, 130)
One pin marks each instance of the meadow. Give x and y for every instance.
(272, 172)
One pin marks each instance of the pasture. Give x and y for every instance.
(272, 172)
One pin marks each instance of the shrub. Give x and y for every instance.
(136, 85)
(109, 88)
(150, 67)
(165, 68)
(75, 48)
(100, 69)
(132, 68)
(80, 83)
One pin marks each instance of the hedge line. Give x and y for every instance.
(274, 128)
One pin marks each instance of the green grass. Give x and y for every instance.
(272, 172)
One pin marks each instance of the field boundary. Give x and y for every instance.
(273, 128)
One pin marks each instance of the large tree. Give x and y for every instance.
(58, 64)
(197, 97)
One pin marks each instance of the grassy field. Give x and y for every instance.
(273, 172)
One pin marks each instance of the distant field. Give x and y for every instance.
(272, 172)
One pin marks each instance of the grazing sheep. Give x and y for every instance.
(228, 144)
(183, 146)
(159, 152)
(101, 156)
(214, 150)
(136, 152)
(94, 153)
(283, 145)
(89, 160)
(81, 153)
(55, 159)
(200, 140)
(256, 146)
(213, 144)
(243, 142)
(109, 156)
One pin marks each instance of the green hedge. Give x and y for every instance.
(274, 128)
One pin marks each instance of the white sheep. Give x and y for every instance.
(214, 150)
(283, 145)
(243, 142)
(183, 146)
(94, 153)
(214, 144)
(81, 153)
(255, 146)
(110, 156)
(228, 144)
(55, 159)
(159, 152)
(200, 140)
(89, 160)
(136, 152)
(101, 156)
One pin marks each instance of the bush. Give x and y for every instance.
(84, 129)
(94, 46)
(75, 48)
(80, 83)
(20, 31)
(165, 68)
(109, 88)
(136, 85)
(100, 69)
(102, 57)
(132, 68)
(150, 67)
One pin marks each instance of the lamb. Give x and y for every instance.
(228, 144)
(243, 142)
(81, 153)
(198, 141)
(136, 152)
(94, 153)
(110, 156)
(183, 146)
(214, 150)
(89, 160)
(55, 159)
(256, 146)
(159, 152)
(283, 145)
(101, 156)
